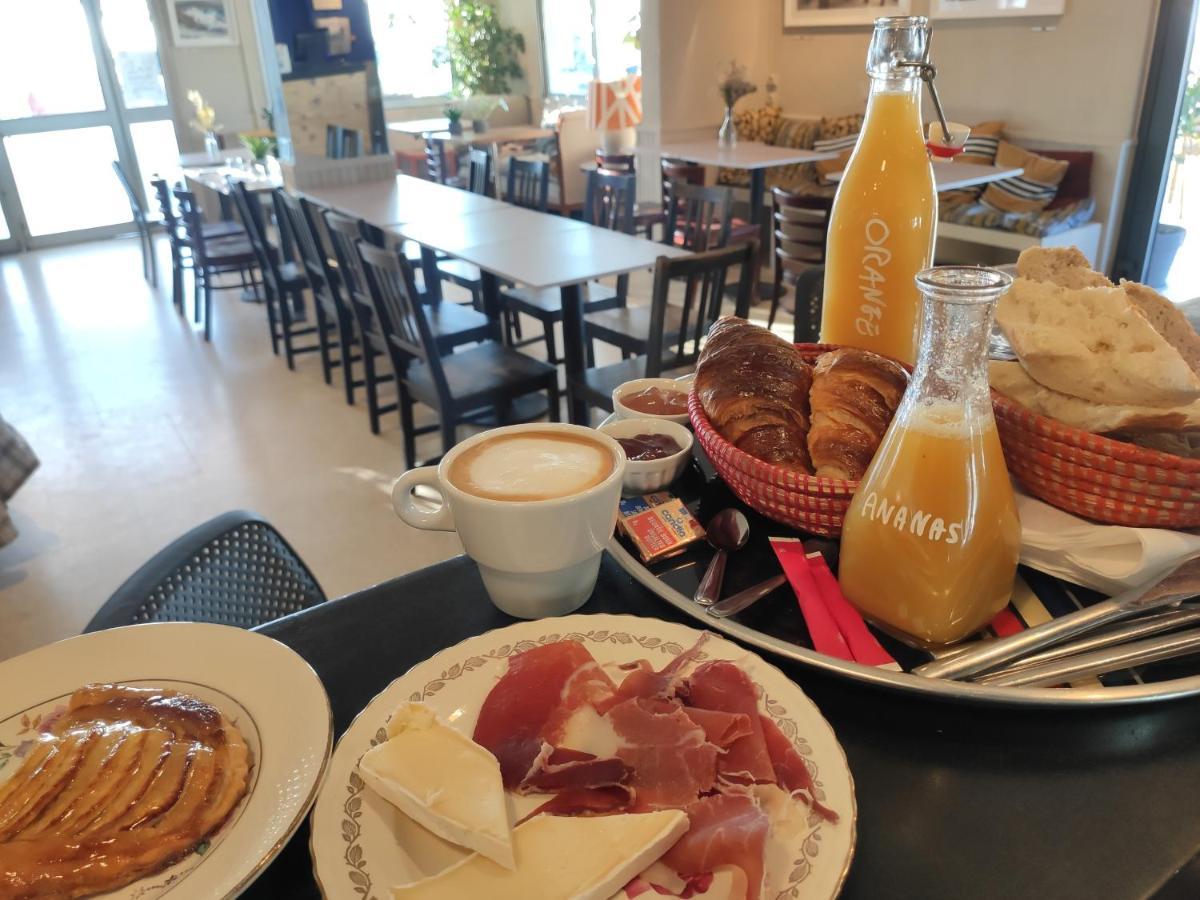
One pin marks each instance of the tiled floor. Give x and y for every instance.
(145, 431)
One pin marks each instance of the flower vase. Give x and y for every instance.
(727, 136)
(212, 147)
(456, 127)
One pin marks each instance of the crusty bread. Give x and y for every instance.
(1065, 266)
(1167, 320)
(1094, 343)
(1011, 380)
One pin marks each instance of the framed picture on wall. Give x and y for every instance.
(994, 9)
(202, 23)
(820, 13)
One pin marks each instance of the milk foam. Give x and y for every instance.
(532, 466)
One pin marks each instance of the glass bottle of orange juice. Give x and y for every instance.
(931, 538)
(884, 216)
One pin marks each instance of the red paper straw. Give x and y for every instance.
(866, 649)
(826, 636)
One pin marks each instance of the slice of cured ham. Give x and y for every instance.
(533, 697)
(672, 761)
(560, 769)
(725, 829)
(722, 686)
(790, 770)
(721, 728)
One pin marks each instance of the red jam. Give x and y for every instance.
(657, 402)
(644, 447)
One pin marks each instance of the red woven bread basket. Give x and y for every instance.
(1094, 476)
(806, 502)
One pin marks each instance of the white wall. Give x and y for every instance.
(230, 78)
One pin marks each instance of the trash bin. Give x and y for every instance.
(1167, 241)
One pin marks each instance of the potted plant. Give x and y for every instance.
(454, 116)
(260, 146)
(483, 57)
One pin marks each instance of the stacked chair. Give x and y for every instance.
(181, 251)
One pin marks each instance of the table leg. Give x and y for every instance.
(761, 217)
(433, 278)
(574, 355)
(490, 287)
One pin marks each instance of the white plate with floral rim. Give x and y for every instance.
(266, 689)
(361, 845)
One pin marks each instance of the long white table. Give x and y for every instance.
(950, 176)
(385, 203)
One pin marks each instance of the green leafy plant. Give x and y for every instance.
(260, 146)
(453, 113)
(482, 53)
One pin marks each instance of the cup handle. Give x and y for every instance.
(440, 519)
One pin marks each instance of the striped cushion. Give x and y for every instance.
(1034, 224)
(838, 134)
(1030, 191)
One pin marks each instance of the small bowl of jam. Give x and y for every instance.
(656, 450)
(652, 398)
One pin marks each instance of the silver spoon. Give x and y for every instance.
(727, 530)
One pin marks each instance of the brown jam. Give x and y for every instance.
(657, 402)
(645, 447)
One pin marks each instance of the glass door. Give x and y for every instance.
(81, 86)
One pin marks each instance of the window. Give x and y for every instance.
(586, 39)
(410, 44)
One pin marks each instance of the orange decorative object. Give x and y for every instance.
(613, 105)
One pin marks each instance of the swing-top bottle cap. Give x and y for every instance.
(897, 40)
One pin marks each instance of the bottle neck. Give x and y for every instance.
(952, 359)
(896, 82)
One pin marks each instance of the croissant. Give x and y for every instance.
(754, 389)
(854, 396)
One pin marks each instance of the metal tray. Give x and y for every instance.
(775, 624)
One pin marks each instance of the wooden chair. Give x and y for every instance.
(676, 171)
(699, 217)
(466, 275)
(704, 276)
(181, 253)
(331, 309)
(450, 324)
(441, 166)
(283, 282)
(646, 215)
(609, 204)
(487, 378)
(801, 233)
(145, 238)
(809, 290)
(211, 260)
(528, 184)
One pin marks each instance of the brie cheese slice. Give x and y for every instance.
(443, 780)
(560, 858)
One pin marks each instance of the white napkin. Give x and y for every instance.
(1108, 558)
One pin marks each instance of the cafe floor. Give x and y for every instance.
(144, 431)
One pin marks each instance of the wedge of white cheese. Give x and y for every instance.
(443, 780)
(560, 858)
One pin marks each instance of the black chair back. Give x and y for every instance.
(322, 279)
(479, 179)
(247, 207)
(436, 162)
(345, 233)
(528, 184)
(704, 276)
(698, 217)
(166, 209)
(235, 569)
(191, 225)
(810, 293)
(397, 306)
(610, 200)
(616, 163)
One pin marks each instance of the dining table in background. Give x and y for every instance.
(954, 800)
(202, 160)
(952, 176)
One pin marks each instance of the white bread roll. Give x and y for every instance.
(1077, 333)
(1011, 380)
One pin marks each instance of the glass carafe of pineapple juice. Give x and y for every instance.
(931, 539)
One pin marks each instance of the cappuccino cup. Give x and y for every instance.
(534, 506)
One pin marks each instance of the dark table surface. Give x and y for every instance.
(954, 801)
